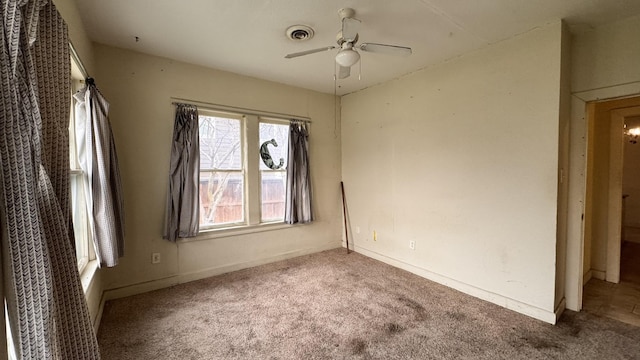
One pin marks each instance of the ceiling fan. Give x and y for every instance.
(347, 38)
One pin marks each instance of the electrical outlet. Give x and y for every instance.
(412, 244)
(357, 229)
(375, 236)
(155, 258)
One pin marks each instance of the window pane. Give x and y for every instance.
(273, 182)
(273, 195)
(79, 218)
(279, 133)
(221, 198)
(220, 146)
(73, 157)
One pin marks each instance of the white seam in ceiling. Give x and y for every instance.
(449, 18)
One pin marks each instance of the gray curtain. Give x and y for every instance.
(298, 203)
(183, 198)
(45, 301)
(98, 159)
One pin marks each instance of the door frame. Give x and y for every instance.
(582, 115)
(616, 163)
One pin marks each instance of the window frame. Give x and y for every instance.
(266, 120)
(252, 197)
(243, 156)
(78, 179)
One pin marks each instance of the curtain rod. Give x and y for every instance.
(76, 58)
(213, 106)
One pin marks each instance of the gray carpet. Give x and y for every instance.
(332, 305)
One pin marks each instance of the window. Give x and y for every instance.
(221, 171)
(274, 181)
(236, 187)
(78, 182)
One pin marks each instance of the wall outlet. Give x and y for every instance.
(412, 244)
(155, 258)
(357, 229)
(375, 236)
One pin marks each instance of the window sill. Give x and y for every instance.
(87, 274)
(209, 234)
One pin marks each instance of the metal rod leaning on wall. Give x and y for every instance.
(344, 211)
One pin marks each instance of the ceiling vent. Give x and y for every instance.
(299, 32)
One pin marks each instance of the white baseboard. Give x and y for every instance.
(597, 274)
(588, 276)
(96, 321)
(511, 304)
(631, 233)
(140, 288)
(633, 239)
(560, 309)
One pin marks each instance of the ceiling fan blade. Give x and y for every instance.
(350, 27)
(386, 49)
(313, 51)
(343, 72)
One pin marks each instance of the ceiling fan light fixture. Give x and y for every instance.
(347, 57)
(632, 134)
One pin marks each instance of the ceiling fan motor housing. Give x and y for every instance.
(340, 39)
(346, 13)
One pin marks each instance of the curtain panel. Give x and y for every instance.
(45, 301)
(99, 160)
(183, 197)
(298, 205)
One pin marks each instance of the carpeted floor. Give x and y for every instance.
(332, 305)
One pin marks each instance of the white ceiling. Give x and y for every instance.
(248, 36)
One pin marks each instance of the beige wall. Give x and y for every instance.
(77, 32)
(606, 56)
(604, 65)
(139, 88)
(462, 158)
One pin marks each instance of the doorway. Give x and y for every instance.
(609, 286)
(630, 234)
